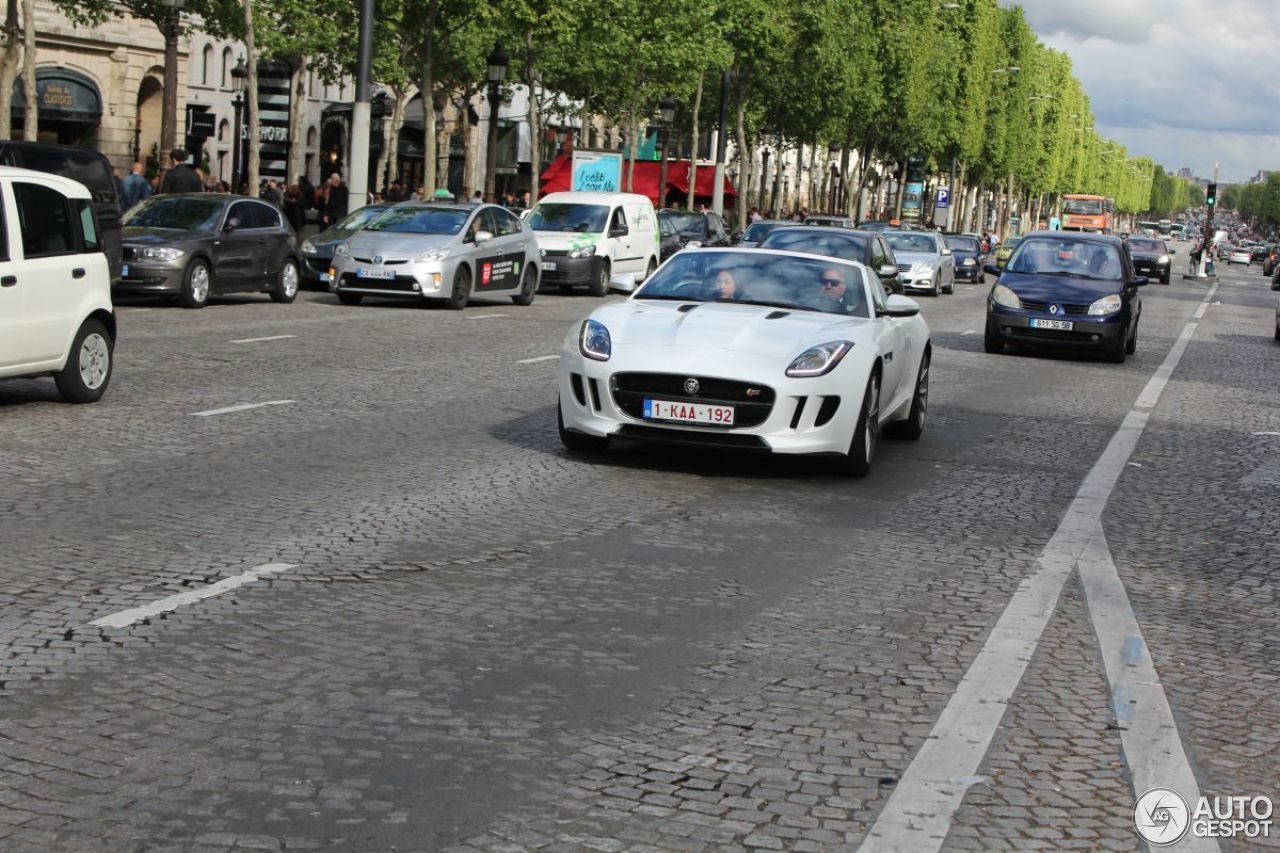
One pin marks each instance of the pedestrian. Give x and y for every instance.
(134, 188)
(1197, 252)
(308, 192)
(293, 209)
(525, 200)
(271, 192)
(508, 199)
(478, 198)
(335, 206)
(181, 178)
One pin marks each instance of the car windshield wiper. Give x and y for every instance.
(767, 304)
(670, 296)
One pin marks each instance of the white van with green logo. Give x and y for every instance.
(584, 238)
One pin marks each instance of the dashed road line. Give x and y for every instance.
(921, 809)
(486, 316)
(243, 407)
(535, 360)
(125, 618)
(257, 340)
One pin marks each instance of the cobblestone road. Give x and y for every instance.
(488, 644)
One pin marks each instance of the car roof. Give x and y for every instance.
(1087, 236)
(583, 197)
(68, 187)
(756, 252)
(828, 229)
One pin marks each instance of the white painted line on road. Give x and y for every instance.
(256, 340)
(1267, 433)
(920, 811)
(486, 316)
(971, 331)
(243, 407)
(125, 618)
(1148, 733)
(539, 358)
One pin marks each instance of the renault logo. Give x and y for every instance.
(1054, 309)
(691, 386)
(377, 259)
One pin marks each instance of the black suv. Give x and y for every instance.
(705, 228)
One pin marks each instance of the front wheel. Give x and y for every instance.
(951, 288)
(600, 286)
(286, 287)
(1131, 346)
(937, 287)
(195, 285)
(1164, 279)
(85, 376)
(651, 269)
(461, 289)
(576, 441)
(528, 288)
(991, 343)
(862, 448)
(1116, 352)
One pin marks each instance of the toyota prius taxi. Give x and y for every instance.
(755, 349)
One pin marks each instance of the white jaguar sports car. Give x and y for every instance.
(749, 349)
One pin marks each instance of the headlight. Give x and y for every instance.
(308, 247)
(160, 253)
(342, 249)
(1164, 259)
(968, 262)
(1002, 295)
(1106, 305)
(594, 341)
(432, 255)
(921, 269)
(818, 360)
(584, 252)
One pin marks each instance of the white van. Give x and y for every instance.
(55, 285)
(587, 237)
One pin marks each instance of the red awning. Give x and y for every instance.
(647, 172)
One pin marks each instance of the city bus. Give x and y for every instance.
(1081, 212)
(1166, 228)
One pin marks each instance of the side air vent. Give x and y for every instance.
(685, 309)
(777, 315)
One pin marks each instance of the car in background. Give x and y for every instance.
(84, 166)
(969, 256)
(56, 317)
(748, 349)
(1066, 289)
(1258, 252)
(704, 228)
(924, 261)
(873, 225)
(669, 241)
(1239, 255)
(830, 221)
(194, 245)
(757, 231)
(1005, 249)
(1269, 262)
(439, 251)
(1151, 257)
(317, 251)
(584, 238)
(866, 247)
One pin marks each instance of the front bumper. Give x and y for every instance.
(429, 279)
(972, 273)
(1087, 332)
(562, 269)
(1151, 269)
(315, 268)
(149, 278)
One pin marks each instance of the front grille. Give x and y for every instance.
(555, 253)
(750, 409)
(127, 253)
(727, 441)
(904, 267)
(401, 283)
(384, 263)
(1043, 307)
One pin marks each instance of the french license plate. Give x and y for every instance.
(1057, 325)
(550, 266)
(124, 271)
(689, 413)
(362, 272)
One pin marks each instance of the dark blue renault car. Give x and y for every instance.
(1066, 290)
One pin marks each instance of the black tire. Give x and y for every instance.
(1131, 346)
(1117, 352)
(937, 288)
(991, 343)
(862, 447)
(576, 441)
(651, 269)
(528, 287)
(347, 298)
(197, 281)
(461, 293)
(951, 288)
(1168, 274)
(982, 278)
(913, 427)
(285, 290)
(87, 373)
(1278, 328)
(600, 286)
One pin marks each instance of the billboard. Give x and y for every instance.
(596, 171)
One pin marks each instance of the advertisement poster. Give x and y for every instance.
(596, 171)
(911, 201)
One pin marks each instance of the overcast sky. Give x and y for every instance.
(1185, 82)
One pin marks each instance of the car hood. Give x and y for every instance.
(1050, 288)
(1147, 256)
(384, 242)
(727, 326)
(917, 257)
(139, 236)
(330, 237)
(565, 241)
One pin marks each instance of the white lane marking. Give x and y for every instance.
(971, 331)
(1152, 748)
(243, 407)
(125, 618)
(919, 812)
(539, 358)
(1267, 433)
(486, 316)
(256, 340)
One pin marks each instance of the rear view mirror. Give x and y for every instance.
(618, 231)
(900, 306)
(623, 283)
(887, 271)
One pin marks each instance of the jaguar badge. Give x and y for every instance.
(691, 386)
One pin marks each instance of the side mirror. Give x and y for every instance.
(618, 232)
(900, 306)
(693, 244)
(946, 252)
(887, 271)
(1140, 281)
(623, 283)
(232, 224)
(483, 237)
(991, 269)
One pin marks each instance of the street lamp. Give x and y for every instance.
(238, 75)
(766, 142)
(666, 118)
(172, 29)
(497, 63)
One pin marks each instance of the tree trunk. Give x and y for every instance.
(297, 110)
(902, 189)
(10, 59)
(535, 121)
(255, 122)
(388, 161)
(444, 144)
(744, 165)
(634, 132)
(427, 93)
(469, 182)
(693, 149)
(31, 119)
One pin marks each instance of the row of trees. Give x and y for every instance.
(1259, 203)
(866, 83)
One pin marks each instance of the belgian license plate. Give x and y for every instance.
(689, 413)
(550, 266)
(124, 271)
(362, 272)
(1057, 325)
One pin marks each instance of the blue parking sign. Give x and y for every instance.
(943, 199)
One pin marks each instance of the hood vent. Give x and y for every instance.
(685, 309)
(777, 315)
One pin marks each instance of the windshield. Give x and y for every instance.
(1153, 246)
(1082, 206)
(828, 221)
(760, 278)
(963, 244)
(832, 245)
(181, 213)
(420, 220)
(922, 243)
(1078, 258)
(580, 218)
(687, 224)
(358, 219)
(760, 230)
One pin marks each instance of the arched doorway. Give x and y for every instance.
(333, 149)
(146, 136)
(69, 107)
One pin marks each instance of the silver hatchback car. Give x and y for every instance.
(436, 250)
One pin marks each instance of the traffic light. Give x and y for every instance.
(1211, 196)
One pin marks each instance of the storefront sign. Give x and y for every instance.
(596, 171)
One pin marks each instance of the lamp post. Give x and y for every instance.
(833, 151)
(766, 142)
(666, 118)
(172, 29)
(238, 75)
(497, 73)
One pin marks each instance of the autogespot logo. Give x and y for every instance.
(1161, 817)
